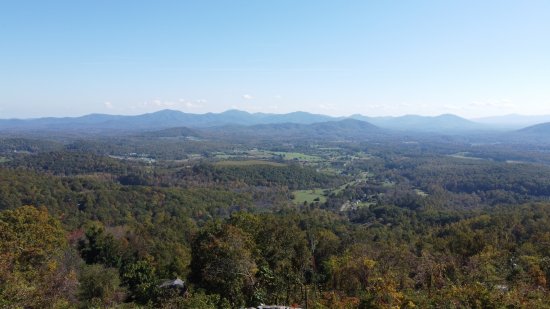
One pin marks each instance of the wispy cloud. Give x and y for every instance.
(248, 97)
(161, 103)
(193, 103)
(175, 104)
(109, 105)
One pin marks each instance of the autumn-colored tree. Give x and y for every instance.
(141, 280)
(100, 286)
(31, 248)
(223, 262)
(351, 271)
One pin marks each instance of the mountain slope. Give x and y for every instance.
(331, 130)
(156, 121)
(446, 123)
(542, 129)
(514, 121)
(102, 123)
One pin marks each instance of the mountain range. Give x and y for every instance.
(513, 121)
(158, 120)
(538, 129)
(447, 123)
(344, 129)
(236, 120)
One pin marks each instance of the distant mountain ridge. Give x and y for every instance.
(536, 134)
(344, 129)
(158, 120)
(514, 121)
(443, 123)
(538, 129)
(165, 119)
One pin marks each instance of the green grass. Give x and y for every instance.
(420, 192)
(247, 163)
(3, 159)
(309, 196)
(464, 155)
(297, 156)
(259, 154)
(223, 156)
(365, 204)
(360, 178)
(329, 170)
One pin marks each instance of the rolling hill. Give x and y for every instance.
(156, 121)
(513, 121)
(331, 130)
(542, 129)
(164, 119)
(446, 123)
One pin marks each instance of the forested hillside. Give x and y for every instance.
(420, 223)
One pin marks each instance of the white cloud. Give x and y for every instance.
(247, 97)
(109, 105)
(161, 103)
(189, 104)
(192, 103)
(175, 104)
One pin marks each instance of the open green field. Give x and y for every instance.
(297, 156)
(257, 153)
(360, 178)
(329, 170)
(223, 156)
(464, 155)
(247, 163)
(309, 196)
(420, 192)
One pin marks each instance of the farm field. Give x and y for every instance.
(309, 196)
(247, 163)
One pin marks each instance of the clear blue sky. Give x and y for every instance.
(472, 58)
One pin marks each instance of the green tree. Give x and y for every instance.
(99, 286)
(31, 246)
(141, 281)
(223, 262)
(99, 247)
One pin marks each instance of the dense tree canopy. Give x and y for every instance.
(330, 224)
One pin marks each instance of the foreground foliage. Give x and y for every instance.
(393, 230)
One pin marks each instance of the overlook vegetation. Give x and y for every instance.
(384, 221)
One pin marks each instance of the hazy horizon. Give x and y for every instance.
(277, 113)
(469, 58)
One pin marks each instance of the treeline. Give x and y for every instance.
(480, 177)
(486, 259)
(292, 176)
(70, 163)
(79, 230)
(82, 198)
(445, 182)
(9, 145)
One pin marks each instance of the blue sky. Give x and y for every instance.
(470, 58)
